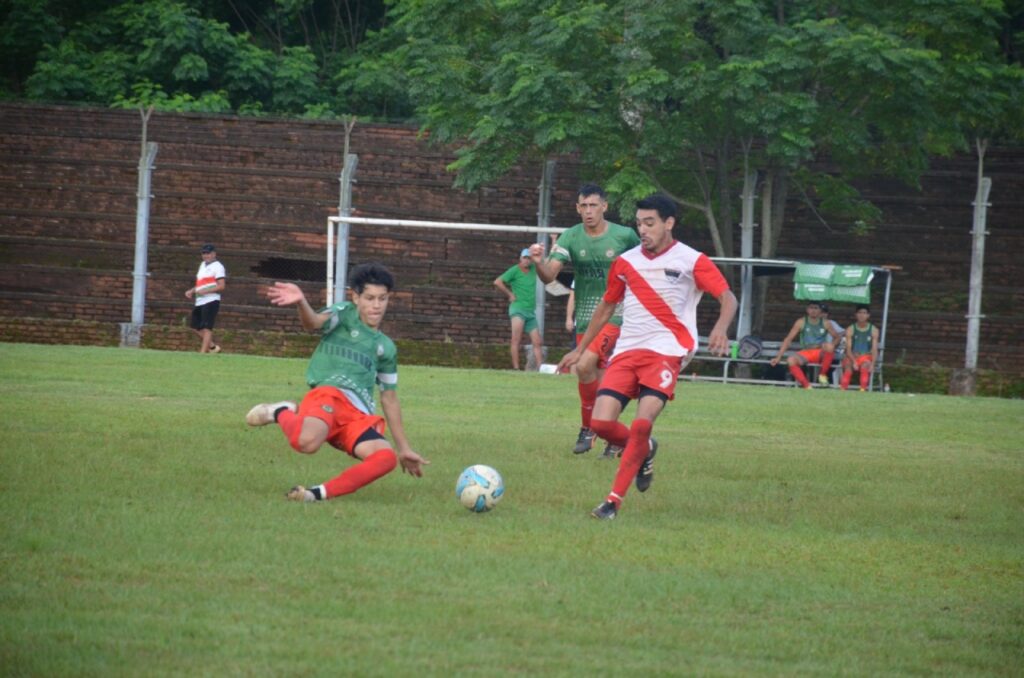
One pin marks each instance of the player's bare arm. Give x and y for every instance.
(412, 463)
(797, 326)
(602, 314)
(718, 340)
(547, 269)
(290, 294)
(500, 284)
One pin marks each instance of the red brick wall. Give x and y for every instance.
(261, 189)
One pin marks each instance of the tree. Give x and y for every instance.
(685, 96)
(278, 56)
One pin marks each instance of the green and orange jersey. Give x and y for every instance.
(591, 257)
(862, 340)
(353, 357)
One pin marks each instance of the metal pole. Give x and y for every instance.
(547, 180)
(131, 333)
(746, 252)
(974, 314)
(346, 179)
(881, 333)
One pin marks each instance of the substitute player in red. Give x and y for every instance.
(353, 357)
(659, 284)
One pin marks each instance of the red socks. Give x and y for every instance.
(614, 432)
(844, 382)
(826, 361)
(637, 448)
(588, 394)
(798, 374)
(378, 464)
(291, 425)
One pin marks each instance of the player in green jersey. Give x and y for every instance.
(519, 283)
(352, 357)
(861, 349)
(590, 246)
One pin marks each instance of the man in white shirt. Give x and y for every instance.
(209, 284)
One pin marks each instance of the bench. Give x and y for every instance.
(768, 351)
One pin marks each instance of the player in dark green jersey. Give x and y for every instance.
(861, 349)
(352, 357)
(590, 246)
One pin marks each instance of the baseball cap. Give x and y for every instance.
(207, 248)
(525, 252)
(824, 307)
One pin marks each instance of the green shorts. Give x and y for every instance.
(529, 319)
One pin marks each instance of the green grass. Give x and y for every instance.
(821, 533)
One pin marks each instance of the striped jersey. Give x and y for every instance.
(209, 274)
(660, 294)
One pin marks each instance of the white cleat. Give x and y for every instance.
(263, 414)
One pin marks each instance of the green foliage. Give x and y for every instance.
(149, 529)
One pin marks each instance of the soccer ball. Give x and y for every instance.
(479, 488)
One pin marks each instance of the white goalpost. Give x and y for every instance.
(337, 247)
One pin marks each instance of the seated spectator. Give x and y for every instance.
(862, 350)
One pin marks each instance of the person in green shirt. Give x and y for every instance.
(352, 357)
(590, 246)
(519, 283)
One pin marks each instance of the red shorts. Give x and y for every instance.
(603, 344)
(344, 421)
(633, 369)
(859, 361)
(812, 355)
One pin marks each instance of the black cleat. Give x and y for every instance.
(611, 452)
(606, 511)
(584, 441)
(645, 476)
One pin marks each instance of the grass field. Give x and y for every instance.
(145, 531)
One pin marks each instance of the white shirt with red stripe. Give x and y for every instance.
(660, 294)
(209, 274)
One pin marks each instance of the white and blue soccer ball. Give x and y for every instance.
(479, 488)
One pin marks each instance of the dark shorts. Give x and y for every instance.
(204, 316)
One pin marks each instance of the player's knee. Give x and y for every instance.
(793, 361)
(641, 427)
(307, 444)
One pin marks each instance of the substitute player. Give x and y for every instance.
(590, 245)
(861, 349)
(659, 284)
(352, 356)
(818, 340)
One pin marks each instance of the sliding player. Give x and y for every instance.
(352, 356)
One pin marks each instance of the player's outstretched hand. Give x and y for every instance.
(285, 294)
(412, 463)
(537, 253)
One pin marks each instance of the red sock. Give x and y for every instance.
(378, 464)
(588, 394)
(798, 374)
(865, 378)
(636, 451)
(614, 432)
(826, 362)
(291, 426)
(844, 383)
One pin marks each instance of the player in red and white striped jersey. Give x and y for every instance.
(660, 284)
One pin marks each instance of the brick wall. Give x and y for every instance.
(261, 189)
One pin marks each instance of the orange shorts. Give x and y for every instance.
(642, 368)
(344, 421)
(603, 344)
(859, 361)
(812, 355)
